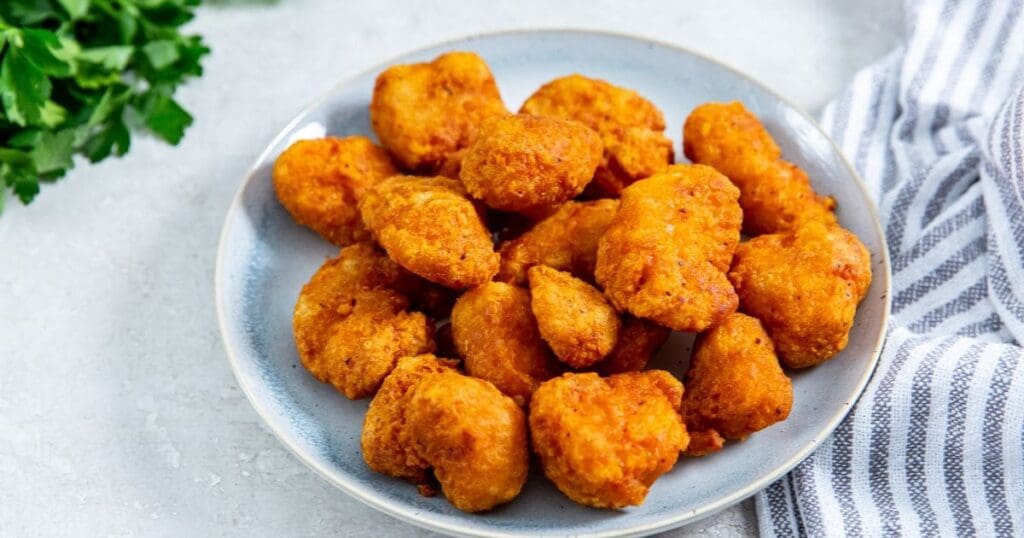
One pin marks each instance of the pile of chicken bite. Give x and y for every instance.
(505, 278)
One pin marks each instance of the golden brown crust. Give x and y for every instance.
(604, 441)
(734, 385)
(386, 441)
(321, 181)
(775, 194)
(529, 164)
(497, 337)
(365, 346)
(638, 341)
(631, 127)
(429, 227)
(664, 255)
(574, 318)
(567, 240)
(425, 112)
(473, 436)
(704, 442)
(452, 164)
(350, 321)
(804, 286)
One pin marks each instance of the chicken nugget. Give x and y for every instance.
(386, 441)
(638, 341)
(329, 295)
(452, 164)
(804, 285)
(497, 337)
(632, 129)
(320, 183)
(365, 346)
(574, 318)
(604, 441)
(775, 194)
(429, 227)
(734, 385)
(567, 241)
(424, 112)
(351, 324)
(473, 436)
(530, 164)
(665, 253)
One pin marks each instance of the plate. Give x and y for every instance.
(265, 258)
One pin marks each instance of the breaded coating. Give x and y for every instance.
(632, 129)
(498, 340)
(350, 321)
(321, 181)
(638, 341)
(364, 346)
(530, 164)
(567, 240)
(574, 318)
(424, 112)
(473, 436)
(452, 164)
(704, 442)
(604, 441)
(734, 386)
(804, 286)
(665, 253)
(386, 441)
(429, 227)
(775, 194)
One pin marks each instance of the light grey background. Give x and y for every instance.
(118, 412)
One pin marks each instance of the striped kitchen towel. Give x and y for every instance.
(935, 446)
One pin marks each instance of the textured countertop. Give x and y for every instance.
(118, 411)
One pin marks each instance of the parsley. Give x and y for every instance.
(77, 75)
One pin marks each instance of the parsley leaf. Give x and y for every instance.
(165, 117)
(77, 76)
(24, 89)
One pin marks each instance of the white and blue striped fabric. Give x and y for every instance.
(935, 446)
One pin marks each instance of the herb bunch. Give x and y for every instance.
(76, 76)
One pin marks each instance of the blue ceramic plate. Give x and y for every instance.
(265, 258)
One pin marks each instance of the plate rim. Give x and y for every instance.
(412, 516)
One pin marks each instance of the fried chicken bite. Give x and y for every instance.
(429, 227)
(366, 344)
(631, 127)
(567, 241)
(473, 436)
(638, 341)
(497, 337)
(734, 385)
(425, 112)
(386, 441)
(351, 324)
(604, 441)
(452, 164)
(574, 318)
(804, 285)
(665, 253)
(775, 194)
(320, 183)
(529, 164)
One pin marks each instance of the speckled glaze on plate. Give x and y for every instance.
(265, 258)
